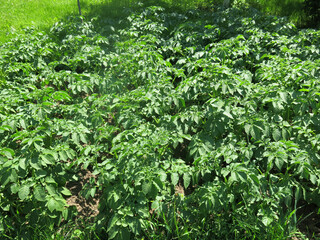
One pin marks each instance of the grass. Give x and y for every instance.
(290, 8)
(17, 14)
(42, 14)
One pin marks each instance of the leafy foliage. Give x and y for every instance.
(195, 125)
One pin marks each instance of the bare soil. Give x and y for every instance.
(87, 208)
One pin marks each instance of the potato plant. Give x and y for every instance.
(195, 125)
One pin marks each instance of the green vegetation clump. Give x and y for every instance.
(183, 125)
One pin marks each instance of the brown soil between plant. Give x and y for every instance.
(87, 208)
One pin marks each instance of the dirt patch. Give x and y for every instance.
(179, 189)
(87, 208)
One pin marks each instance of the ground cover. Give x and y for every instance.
(179, 125)
(16, 14)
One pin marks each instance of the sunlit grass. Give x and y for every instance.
(18, 14)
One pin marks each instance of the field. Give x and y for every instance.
(161, 124)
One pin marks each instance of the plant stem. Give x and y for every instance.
(79, 7)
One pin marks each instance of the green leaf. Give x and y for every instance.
(174, 178)
(50, 179)
(255, 132)
(112, 222)
(87, 150)
(266, 220)
(37, 146)
(35, 163)
(14, 188)
(285, 134)
(313, 178)
(279, 162)
(40, 113)
(233, 177)
(225, 172)
(22, 163)
(247, 129)
(24, 192)
(61, 96)
(5, 128)
(276, 134)
(284, 96)
(54, 204)
(277, 106)
(163, 176)
(304, 90)
(75, 138)
(8, 152)
(60, 204)
(47, 159)
(143, 212)
(227, 113)
(124, 234)
(242, 176)
(51, 204)
(255, 179)
(181, 61)
(39, 193)
(66, 192)
(63, 155)
(86, 191)
(146, 187)
(155, 205)
(5, 178)
(40, 173)
(92, 191)
(113, 233)
(83, 138)
(51, 189)
(135, 226)
(186, 180)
